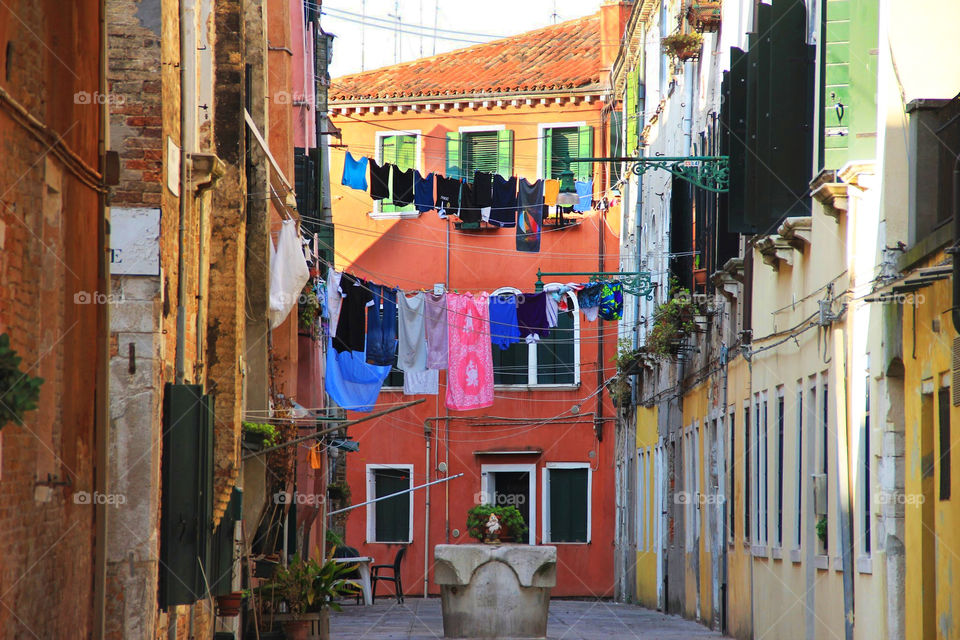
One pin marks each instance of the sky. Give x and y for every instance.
(358, 47)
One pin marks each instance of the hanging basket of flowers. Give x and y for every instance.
(683, 46)
(704, 16)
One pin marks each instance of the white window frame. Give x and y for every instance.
(643, 457)
(487, 487)
(781, 447)
(532, 348)
(545, 479)
(377, 213)
(372, 507)
(798, 494)
(542, 128)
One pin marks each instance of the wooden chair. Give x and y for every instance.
(375, 576)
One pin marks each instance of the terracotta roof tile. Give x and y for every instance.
(561, 56)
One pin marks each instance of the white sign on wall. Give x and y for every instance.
(134, 242)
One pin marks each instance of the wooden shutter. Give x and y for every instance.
(555, 364)
(480, 152)
(393, 515)
(584, 170)
(187, 494)
(453, 154)
(568, 505)
(561, 145)
(406, 152)
(221, 562)
(505, 153)
(630, 113)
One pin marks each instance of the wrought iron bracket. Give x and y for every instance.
(711, 173)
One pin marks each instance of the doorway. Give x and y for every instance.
(512, 485)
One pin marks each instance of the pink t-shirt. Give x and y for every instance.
(470, 359)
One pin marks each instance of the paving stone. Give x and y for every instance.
(420, 619)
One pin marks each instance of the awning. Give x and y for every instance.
(915, 280)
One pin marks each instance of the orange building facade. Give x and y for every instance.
(536, 100)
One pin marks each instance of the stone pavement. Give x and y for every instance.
(419, 619)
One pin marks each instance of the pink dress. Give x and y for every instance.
(470, 359)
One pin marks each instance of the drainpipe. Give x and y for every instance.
(427, 432)
(955, 250)
(688, 107)
(102, 478)
(188, 100)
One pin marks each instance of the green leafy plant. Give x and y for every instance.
(628, 358)
(822, 529)
(19, 391)
(620, 391)
(673, 321)
(682, 45)
(307, 586)
(511, 520)
(309, 307)
(267, 432)
(338, 490)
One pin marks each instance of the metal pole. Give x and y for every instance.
(392, 495)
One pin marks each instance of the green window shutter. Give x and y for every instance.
(568, 505)
(221, 562)
(505, 153)
(630, 113)
(561, 144)
(187, 494)
(616, 143)
(392, 517)
(400, 150)
(584, 170)
(480, 153)
(547, 152)
(388, 154)
(453, 154)
(555, 363)
(510, 364)
(406, 152)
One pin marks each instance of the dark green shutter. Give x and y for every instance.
(584, 170)
(555, 362)
(616, 143)
(480, 152)
(630, 113)
(221, 562)
(400, 150)
(393, 515)
(505, 153)
(187, 494)
(395, 377)
(568, 505)
(510, 365)
(453, 154)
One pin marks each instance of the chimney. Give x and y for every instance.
(614, 15)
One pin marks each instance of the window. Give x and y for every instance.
(780, 421)
(488, 149)
(642, 489)
(389, 520)
(394, 379)
(554, 360)
(763, 494)
(403, 150)
(935, 141)
(567, 500)
(799, 495)
(747, 454)
(825, 451)
(943, 420)
(867, 497)
(732, 457)
(561, 143)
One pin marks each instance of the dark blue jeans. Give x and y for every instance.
(382, 326)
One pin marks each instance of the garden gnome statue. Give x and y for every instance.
(493, 529)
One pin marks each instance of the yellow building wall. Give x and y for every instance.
(647, 558)
(932, 525)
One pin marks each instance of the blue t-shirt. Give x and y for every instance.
(423, 192)
(585, 196)
(354, 173)
(503, 320)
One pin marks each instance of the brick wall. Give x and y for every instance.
(50, 225)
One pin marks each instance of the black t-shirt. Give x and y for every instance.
(504, 211)
(468, 207)
(379, 180)
(448, 194)
(352, 326)
(402, 187)
(483, 189)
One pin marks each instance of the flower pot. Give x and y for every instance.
(296, 629)
(228, 605)
(704, 16)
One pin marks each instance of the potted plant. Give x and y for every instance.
(682, 46)
(305, 590)
(228, 605)
(512, 525)
(704, 15)
(20, 390)
(673, 321)
(309, 309)
(338, 490)
(822, 530)
(260, 435)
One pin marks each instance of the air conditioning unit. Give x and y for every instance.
(819, 493)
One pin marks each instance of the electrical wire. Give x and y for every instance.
(327, 8)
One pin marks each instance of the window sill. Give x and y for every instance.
(567, 544)
(395, 542)
(821, 562)
(537, 387)
(776, 553)
(837, 563)
(796, 556)
(864, 564)
(398, 215)
(759, 551)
